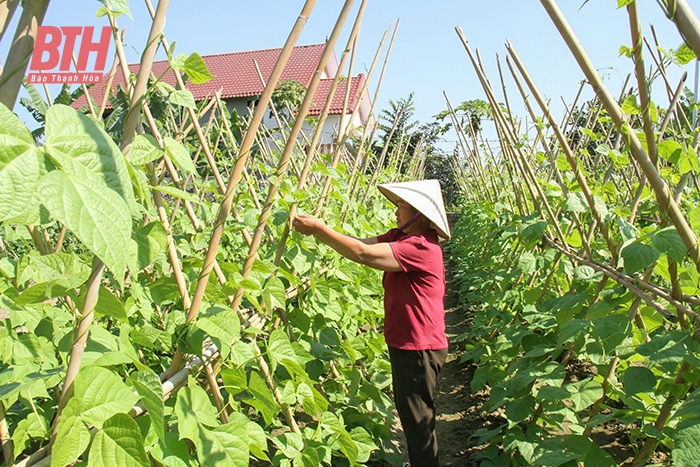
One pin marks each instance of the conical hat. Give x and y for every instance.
(425, 196)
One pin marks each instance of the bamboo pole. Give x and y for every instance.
(7, 11)
(376, 95)
(5, 440)
(301, 115)
(687, 23)
(301, 185)
(80, 340)
(134, 115)
(667, 204)
(644, 98)
(244, 152)
(570, 157)
(21, 49)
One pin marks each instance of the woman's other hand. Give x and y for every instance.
(306, 224)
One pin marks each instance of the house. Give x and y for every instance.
(235, 74)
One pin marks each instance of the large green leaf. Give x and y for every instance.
(181, 156)
(670, 150)
(73, 137)
(274, 294)
(261, 398)
(193, 407)
(144, 149)
(147, 384)
(223, 327)
(196, 69)
(150, 240)
(639, 256)
(102, 394)
(668, 241)
(611, 331)
(21, 167)
(97, 216)
(183, 97)
(691, 406)
(638, 379)
(520, 409)
(173, 452)
(686, 453)
(221, 448)
(341, 438)
(562, 450)
(584, 393)
(72, 436)
(533, 231)
(64, 269)
(118, 443)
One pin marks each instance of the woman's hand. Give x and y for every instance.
(306, 224)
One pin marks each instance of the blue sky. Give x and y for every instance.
(428, 57)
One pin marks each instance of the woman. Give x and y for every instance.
(414, 286)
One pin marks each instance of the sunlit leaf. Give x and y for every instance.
(196, 69)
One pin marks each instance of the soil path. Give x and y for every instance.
(459, 411)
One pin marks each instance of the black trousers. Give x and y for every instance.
(414, 375)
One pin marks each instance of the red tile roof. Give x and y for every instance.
(324, 87)
(235, 74)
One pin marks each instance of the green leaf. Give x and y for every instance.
(670, 150)
(173, 452)
(626, 51)
(102, 394)
(177, 193)
(630, 106)
(274, 294)
(533, 231)
(118, 6)
(261, 398)
(144, 149)
(527, 263)
(685, 54)
(118, 443)
(219, 448)
(638, 379)
(223, 327)
(193, 407)
(148, 386)
(196, 69)
(551, 393)
(98, 217)
(562, 450)
(611, 331)
(576, 202)
(639, 256)
(520, 409)
(109, 305)
(686, 452)
(72, 437)
(78, 145)
(21, 167)
(183, 97)
(180, 156)
(690, 407)
(151, 240)
(342, 439)
(64, 269)
(584, 393)
(668, 241)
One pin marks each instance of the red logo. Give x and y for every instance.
(48, 56)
